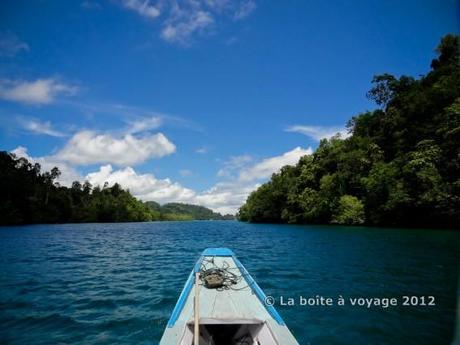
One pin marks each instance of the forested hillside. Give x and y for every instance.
(180, 211)
(28, 196)
(399, 167)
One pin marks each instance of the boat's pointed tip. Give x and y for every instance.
(217, 252)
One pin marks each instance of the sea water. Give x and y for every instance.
(118, 283)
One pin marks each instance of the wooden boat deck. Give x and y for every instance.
(240, 304)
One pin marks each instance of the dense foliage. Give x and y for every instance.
(28, 196)
(399, 166)
(179, 211)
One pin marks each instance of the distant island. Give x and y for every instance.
(30, 196)
(400, 166)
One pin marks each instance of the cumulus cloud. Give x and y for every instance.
(143, 186)
(142, 7)
(11, 45)
(319, 132)
(265, 168)
(89, 147)
(39, 127)
(40, 91)
(224, 197)
(68, 173)
(243, 176)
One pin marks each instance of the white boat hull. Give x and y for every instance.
(235, 314)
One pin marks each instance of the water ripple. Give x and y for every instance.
(118, 283)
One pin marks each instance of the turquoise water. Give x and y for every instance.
(118, 283)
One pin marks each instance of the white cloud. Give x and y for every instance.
(89, 147)
(40, 91)
(184, 24)
(11, 45)
(319, 132)
(238, 161)
(142, 7)
(244, 176)
(183, 19)
(245, 9)
(224, 197)
(138, 119)
(68, 173)
(143, 186)
(202, 150)
(145, 124)
(218, 5)
(233, 164)
(39, 127)
(268, 166)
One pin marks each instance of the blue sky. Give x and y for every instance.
(197, 101)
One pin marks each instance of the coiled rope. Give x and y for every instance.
(221, 278)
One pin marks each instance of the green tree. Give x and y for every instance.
(399, 166)
(350, 211)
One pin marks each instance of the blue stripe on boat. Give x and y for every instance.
(217, 252)
(251, 283)
(184, 294)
